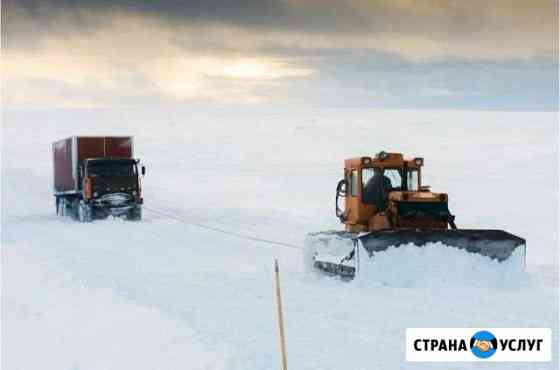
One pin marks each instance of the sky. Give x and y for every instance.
(395, 54)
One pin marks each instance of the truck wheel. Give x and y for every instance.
(61, 207)
(135, 214)
(85, 212)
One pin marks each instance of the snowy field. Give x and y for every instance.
(171, 293)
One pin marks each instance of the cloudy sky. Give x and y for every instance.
(453, 54)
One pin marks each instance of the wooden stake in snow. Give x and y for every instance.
(280, 317)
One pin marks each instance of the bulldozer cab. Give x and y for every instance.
(376, 188)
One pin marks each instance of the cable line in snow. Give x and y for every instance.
(226, 232)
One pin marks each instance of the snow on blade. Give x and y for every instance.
(436, 264)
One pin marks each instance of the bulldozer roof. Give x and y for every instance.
(384, 159)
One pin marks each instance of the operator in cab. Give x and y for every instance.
(377, 189)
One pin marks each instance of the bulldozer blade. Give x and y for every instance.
(346, 272)
(331, 253)
(335, 253)
(496, 244)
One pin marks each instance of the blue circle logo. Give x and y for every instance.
(483, 344)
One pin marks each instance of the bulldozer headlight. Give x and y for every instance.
(383, 155)
(419, 161)
(366, 160)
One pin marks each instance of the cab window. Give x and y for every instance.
(354, 183)
(412, 180)
(395, 176)
(109, 168)
(392, 174)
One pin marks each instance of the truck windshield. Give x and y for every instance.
(111, 169)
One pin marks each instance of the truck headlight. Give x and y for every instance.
(95, 194)
(419, 161)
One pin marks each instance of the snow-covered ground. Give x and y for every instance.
(170, 293)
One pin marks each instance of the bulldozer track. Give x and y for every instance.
(269, 242)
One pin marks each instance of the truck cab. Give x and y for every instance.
(111, 185)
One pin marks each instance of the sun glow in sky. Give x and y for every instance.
(261, 70)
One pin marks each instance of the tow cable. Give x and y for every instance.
(226, 232)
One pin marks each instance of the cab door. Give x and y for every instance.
(357, 212)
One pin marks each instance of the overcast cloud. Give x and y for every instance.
(400, 53)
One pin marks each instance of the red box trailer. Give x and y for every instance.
(70, 152)
(96, 174)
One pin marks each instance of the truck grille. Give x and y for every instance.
(115, 199)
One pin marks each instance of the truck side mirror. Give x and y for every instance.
(143, 170)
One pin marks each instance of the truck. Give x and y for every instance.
(96, 177)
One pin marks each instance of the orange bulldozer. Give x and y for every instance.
(386, 205)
